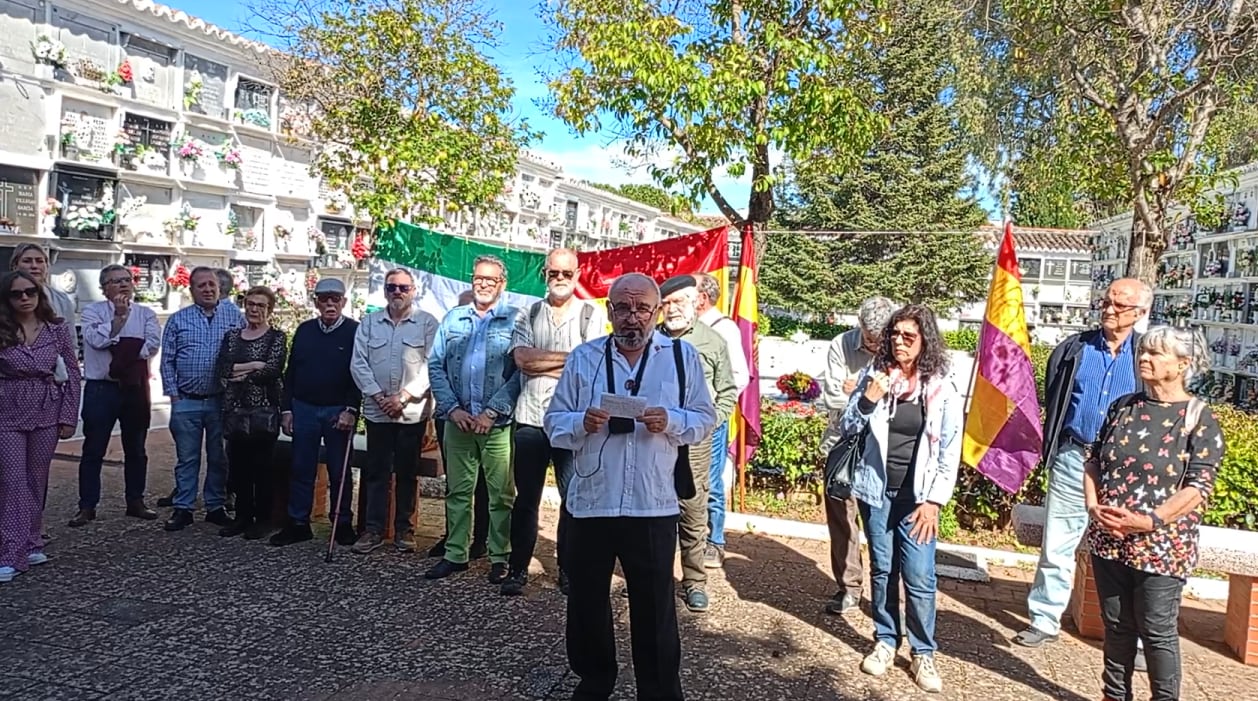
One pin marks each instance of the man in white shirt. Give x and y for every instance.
(119, 339)
(544, 335)
(709, 296)
(623, 497)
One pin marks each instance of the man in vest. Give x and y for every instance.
(543, 337)
(709, 295)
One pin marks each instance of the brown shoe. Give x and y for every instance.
(137, 509)
(83, 517)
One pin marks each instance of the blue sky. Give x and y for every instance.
(591, 158)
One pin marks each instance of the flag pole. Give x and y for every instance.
(741, 466)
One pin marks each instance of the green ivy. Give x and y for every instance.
(790, 435)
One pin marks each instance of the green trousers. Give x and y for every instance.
(466, 453)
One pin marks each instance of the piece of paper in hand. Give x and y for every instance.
(622, 406)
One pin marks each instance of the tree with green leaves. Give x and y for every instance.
(711, 86)
(796, 274)
(412, 114)
(1130, 92)
(913, 180)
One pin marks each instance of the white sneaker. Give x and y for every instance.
(7, 574)
(37, 558)
(877, 662)
(925, 674)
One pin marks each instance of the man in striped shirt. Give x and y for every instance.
(1085, 374)
(190, 345)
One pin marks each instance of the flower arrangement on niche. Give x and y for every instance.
(254, 117)
(49, 51)
(51, 208)
(799, 386)
(179, 279)
(336, 202)
(360, 248)
(190, 149)
(192, 90)
(318, 240)
(228, 156)
(122, 75)
(312, 279)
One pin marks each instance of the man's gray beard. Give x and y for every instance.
(562, 297)
(399, 305)
(675, 325)
(632, 339)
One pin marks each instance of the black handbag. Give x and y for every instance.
(841, 465)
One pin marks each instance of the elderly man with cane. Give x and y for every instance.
(320, 405)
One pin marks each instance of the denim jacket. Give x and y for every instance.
(935, 472)
(501, 383)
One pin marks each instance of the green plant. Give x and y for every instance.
(790, 435)
(1232, 505)
(783, 326)
(948, 521)
(961, 340)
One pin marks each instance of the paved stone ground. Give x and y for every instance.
(127, 611)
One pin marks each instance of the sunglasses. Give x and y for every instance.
(24, 292)
(331, 297)
(908, 338)
(556, 274)
(120, 280)
(393, 288)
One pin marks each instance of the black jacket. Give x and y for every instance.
(1059, 381)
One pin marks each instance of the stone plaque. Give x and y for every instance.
(19, 200)
(18, 19)
(146, 221)
(152, 69)
(86, 38)
(152, 272)
(22, 118)
(150, 132)
(87, 190)
(253, 103)
(255, 166)
(213, 77)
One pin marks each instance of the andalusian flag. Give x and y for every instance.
(442, 265)
(1002, 431)
(745, 422)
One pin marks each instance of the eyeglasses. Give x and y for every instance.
(24, 292)
(120, 280)
(556, 274)
(328, 297)
(908, 338)
(256, 305)
(1118, 308)
(643, 313)
(485, 280)
(393, 288)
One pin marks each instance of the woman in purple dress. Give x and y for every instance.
(39, 404)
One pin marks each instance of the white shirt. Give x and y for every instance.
(97, 322)
(728, 330)
(628, 474)
(547, 335)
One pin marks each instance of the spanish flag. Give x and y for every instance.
(745, 422)
(442, 265)
(1002, 431)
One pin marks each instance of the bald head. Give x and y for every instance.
(634, 301)
(1126, 301)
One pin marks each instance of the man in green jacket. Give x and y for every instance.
(679, 295)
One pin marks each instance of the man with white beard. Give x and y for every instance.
(679, 295)
(543, 337)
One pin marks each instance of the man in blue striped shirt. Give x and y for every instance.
(1085, 374)
(190, 346)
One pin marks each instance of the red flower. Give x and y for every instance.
(124, 72)
(359, 249)
(179, 279)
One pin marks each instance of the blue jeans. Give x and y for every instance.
(894, 556)
(1065, 520)
(314, 425)
(716, 486)
(190, 420)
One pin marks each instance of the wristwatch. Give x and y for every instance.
(1156, 520)
(493, 415)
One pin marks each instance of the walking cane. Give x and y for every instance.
(340, 492)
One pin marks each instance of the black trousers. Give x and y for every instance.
(646, 548)
(392, 448)
(1138, 605)
(532, 455)
(251, 475)
(480, 500)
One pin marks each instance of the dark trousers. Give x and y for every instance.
(533, 454)
(104, 405)
(646, 548)
(251, 474)
(1139, 605)
(392, 449)
(845, 545)
(314, 425)
(480, 500)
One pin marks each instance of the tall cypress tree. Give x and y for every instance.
(914, 178)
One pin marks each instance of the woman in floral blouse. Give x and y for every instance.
(1146, 482)
(39, 404)
(250, 364)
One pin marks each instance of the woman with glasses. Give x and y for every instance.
(250, 365)
(39, 404)
(911, 415)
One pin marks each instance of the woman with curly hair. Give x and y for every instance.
(911, 416)
(39, 404)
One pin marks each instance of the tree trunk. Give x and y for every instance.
(1148, 239)
(760, 205)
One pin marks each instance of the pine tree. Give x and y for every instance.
(914, 179)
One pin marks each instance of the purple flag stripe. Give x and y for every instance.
(1015, 450)
(1008, 368)
(1014, 453)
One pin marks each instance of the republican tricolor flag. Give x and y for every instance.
(1002, 431)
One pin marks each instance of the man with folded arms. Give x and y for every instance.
(319, 405)
(119, 339)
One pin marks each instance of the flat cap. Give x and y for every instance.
(329, 285)
(676, 283)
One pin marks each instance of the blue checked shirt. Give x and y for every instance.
(190, 346)
(1100, 380)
